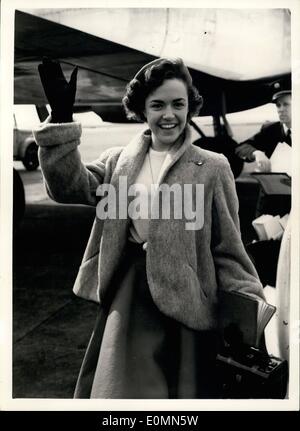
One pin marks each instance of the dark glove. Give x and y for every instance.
(59, 92)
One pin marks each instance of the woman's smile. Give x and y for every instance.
(167, 126)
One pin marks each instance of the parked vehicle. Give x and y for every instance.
(25, 149)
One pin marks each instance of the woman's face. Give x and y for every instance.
(166, 111)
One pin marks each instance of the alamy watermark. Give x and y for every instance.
(178, 201)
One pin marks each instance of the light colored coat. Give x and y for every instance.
(185, 268)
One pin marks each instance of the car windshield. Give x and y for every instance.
(26, 116)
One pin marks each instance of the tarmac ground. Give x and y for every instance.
(51, 326)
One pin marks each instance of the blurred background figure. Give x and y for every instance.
(277, 332)
(283, 292)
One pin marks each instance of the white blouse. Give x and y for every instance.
(145, 184)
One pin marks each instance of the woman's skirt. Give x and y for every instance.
(138, 352)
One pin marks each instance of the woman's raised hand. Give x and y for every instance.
(59, 92)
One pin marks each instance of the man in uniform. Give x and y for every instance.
(261, 146)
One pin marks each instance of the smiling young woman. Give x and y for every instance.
(156, 281)
(166, 110)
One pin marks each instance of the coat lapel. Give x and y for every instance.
(115, 232)
(174, 154)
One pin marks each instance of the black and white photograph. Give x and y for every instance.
(149, 221)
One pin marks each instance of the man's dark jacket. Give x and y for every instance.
(265, 140)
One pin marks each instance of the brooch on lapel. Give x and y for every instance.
(197, 162)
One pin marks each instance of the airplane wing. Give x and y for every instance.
(105, 67)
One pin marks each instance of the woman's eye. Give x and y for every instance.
(179, 105)
(156, 105)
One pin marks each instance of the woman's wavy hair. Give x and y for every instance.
(149, 78)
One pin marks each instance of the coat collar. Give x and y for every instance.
(132, 157)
